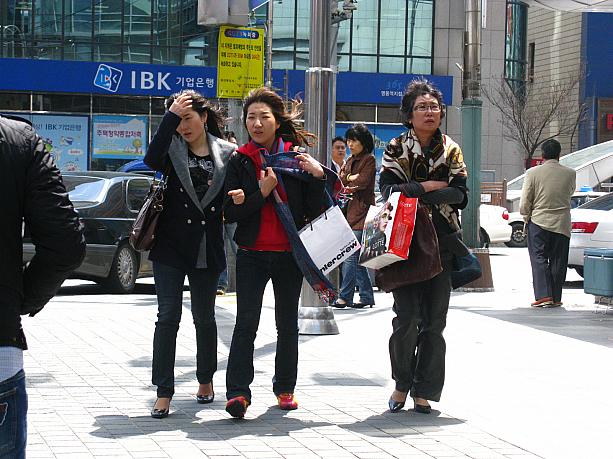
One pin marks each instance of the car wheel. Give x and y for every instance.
(518, 238)
(579, 270)
(485, 239)
(124, 270)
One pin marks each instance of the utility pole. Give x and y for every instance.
(471, 141)
(269, 44)
(471, 120)
(315, 317)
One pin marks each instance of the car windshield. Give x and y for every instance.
(602, 203)
(83, 191)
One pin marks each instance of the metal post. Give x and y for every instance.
(315, 317)
(471, 141)
(269, 44)
(471, 120)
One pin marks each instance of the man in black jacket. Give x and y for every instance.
(31, 193)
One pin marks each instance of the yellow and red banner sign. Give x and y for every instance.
(240, 61)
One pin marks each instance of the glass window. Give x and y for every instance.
(364, 63)
(62, 103)
(391, 64)
(602, 203)
(136, 193)
(10, 101)
(123, 104)
(515, 44)
(419, 65)
(365, 22)
(389, 114)
(355, 113)
(393, 32)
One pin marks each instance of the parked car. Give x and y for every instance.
(592, 226)
(107, 203)
(494, 225)
(137, 166)
(518, 237)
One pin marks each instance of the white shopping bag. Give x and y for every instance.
(329, 239)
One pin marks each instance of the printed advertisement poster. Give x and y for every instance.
(119, 137)
(66, 138)
(240, 63)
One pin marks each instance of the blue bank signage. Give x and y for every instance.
(114, 78)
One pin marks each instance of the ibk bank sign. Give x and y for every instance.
(605, 120)
(105, 78)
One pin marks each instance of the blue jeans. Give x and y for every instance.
(169, 289)
(354, 273)
(228, 235)
(253, 271)
(13, 417)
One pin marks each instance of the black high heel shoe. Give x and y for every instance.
(394, 405)
(424, 409)
(160, 414)
(207, 398)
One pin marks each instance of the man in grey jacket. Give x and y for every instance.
(31, 193)
(545, 206)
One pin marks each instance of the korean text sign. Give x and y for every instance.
(119, 137)
(240, 63)
(66, 138)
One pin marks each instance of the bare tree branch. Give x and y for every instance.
(537, 111)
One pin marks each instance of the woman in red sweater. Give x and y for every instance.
(265, 251)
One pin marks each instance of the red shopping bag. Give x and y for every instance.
(388, 231)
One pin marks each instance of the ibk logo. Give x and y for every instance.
(108, 78)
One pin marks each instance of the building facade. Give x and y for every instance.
(92, 75)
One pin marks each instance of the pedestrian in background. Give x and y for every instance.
(31, 193)
(339, 151)
(545, 206)
(189, 237)
(358, 177)
(228, 236)
(424, 163)
(265, 252)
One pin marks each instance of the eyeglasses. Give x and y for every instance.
(434, 108)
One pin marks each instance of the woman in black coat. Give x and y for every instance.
(189, 238)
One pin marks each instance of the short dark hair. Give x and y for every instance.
(416, 88)
(338, 138)
(551, 149)
(360, 132)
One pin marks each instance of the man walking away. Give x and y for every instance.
(545, 206)
(31, 192)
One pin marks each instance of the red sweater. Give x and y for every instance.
(272, 236)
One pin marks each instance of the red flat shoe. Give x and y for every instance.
(237, 406)
(287, 401)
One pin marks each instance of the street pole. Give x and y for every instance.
(471, 141)
(315, 317)
(471, 120)
(269, 44)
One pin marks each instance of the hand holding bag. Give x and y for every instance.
(424, 260)
(142, 235)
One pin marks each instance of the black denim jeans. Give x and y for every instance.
(253, 271)
(169, 289)
(417, 347)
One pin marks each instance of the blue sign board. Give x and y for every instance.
(104, 78)
(113, 78)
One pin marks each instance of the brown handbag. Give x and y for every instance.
(424, 260)
(142, 235)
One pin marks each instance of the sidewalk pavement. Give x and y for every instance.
(521, 383)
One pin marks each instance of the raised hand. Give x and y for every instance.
(181, 105)
(268, 181)
(310, 165)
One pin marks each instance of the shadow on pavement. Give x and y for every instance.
(401, 424)
(594, 327)
(273, 422)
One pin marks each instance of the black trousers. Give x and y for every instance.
(549, 259)
(253, 271)
(417, 347)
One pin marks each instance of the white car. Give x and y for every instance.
(494, 224)
(592, 228)
(518, 237)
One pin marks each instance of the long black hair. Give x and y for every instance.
(214, 119)
(288, 130)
